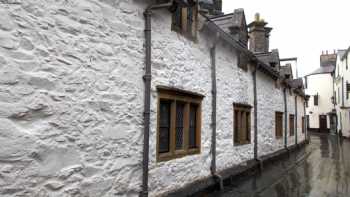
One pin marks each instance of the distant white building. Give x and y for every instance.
(319, 86)
(342, 92)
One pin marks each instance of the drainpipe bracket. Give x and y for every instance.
(143, 193)
(147, 77)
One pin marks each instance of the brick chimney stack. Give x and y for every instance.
(259, 35)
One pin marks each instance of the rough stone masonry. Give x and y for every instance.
(71, 99)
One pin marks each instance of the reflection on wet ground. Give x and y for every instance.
(322, 169)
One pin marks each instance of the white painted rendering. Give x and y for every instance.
(323, 85)
(342, 76)
(71, 99)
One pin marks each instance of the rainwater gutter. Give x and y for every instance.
(147, 100)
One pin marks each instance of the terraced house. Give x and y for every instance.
(342, 92)
(135, 97)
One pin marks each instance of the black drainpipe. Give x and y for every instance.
(305, 120)
(216, 176)
(342, 93)
(255, 115)
(147, 101)
(213, 113)
(285, 118)
(296, 120)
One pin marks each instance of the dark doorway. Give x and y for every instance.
(323, 123)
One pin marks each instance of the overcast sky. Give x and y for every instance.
(301, 28)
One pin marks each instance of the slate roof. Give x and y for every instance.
(341, 52)
(345, 54)
(270, 57)
(296, 83)
(221, 24)
(323, 70)
(286, 70)
(234, 24)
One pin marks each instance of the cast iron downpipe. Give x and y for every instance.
(216, 176)
(147, 100)
(305, 120)
(285, 118)
(213, 113)
(255, 115)
(296, 120)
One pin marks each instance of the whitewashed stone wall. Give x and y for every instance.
(184, 64)
(270, 100)
(234, 85)
(71, 99)
(291, 111)
(301, 135)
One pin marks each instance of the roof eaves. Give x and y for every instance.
(240, 47)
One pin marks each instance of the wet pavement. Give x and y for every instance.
(321, 169)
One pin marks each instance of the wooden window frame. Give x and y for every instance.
(279, 131)
(303, 124)
(291, 124)
(175, 95)
(347, 90)
(185, 29)
(243, 124)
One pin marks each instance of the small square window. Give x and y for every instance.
(291, 125)
(303, 124)
(279, 124)
(347, 89)
(179, 124)
(242, 124)
(185, 19)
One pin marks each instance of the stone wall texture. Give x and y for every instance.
(71, 99)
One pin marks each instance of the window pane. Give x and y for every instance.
(243, 133)
(291, 125)
(179, 125)
(193, 126)
(178, 17)
(164, 126)
(248, 127)
(236, 134)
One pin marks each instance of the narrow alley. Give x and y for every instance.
(320, 169)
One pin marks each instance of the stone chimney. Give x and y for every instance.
(328, 59)
(259, 35)
(218, 5)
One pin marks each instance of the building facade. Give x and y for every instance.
(319, 86)
(120, 98)
(342, 92)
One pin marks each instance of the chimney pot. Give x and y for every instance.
(259, 35)
(257, 17)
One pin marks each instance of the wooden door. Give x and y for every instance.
(323, 123)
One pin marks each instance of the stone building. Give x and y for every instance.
(120, 98)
